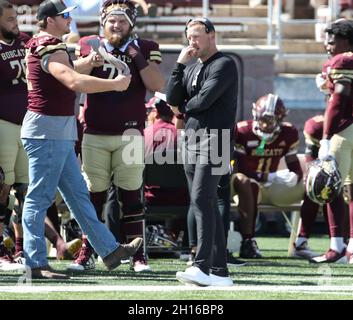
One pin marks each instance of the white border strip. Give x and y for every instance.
(151, 288)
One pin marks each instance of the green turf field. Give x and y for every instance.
(274, 277)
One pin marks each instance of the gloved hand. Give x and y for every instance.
(289, 178)
(271, 177)
(321, 83)
(285, 177)
(324, 150)
(136, 55)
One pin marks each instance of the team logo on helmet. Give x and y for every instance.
(117, 7)
(323, 182)
(268, 113)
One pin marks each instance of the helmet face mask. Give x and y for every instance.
(268, 113)
(324, 181)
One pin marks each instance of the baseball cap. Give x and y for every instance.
(158, 102)
(52, 8)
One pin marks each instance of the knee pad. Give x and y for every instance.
(20, 191)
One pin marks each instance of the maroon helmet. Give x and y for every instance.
(268, 113)
(125, 7)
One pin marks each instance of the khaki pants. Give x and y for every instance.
(342, 149)
(13, 158)
(104, 155)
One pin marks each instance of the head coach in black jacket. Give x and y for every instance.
(205, 94)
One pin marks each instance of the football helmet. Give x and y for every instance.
(116, 7)
(324, 181)
(268, 113)
(156, 236)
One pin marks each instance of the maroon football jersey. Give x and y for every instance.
(341, 69)
(46, 95)
(111, 113)
(160, 135)
(252, 163)
(13, 85)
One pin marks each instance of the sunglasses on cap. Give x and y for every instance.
(65, 15)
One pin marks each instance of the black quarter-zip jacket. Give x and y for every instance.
(205, 92)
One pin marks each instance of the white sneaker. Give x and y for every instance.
(194, 275)
(140, 266)
(90, 264)
(217, 281)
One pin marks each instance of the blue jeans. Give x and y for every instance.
(53, 164)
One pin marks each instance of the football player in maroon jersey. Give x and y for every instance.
(259, 145)
(313, 129)
(114, 122)
(337, 139)
(13, 95)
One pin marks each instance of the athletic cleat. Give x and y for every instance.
(349, 256)
(89, 264)
(303, 251)
(331, 256)
(249, 249)
(194, 276)
(19, 258)
(141, 266)
(217, 281)
(234, 262)
(139, 262)
(85, 259)
(73, 247)
(7, 262)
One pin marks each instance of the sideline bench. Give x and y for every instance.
(294, 208)
(294, 223)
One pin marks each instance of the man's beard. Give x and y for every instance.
(9, 35)
(116, 41)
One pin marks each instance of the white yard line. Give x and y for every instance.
(154, 288)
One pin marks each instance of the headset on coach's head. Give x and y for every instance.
(209, 27)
